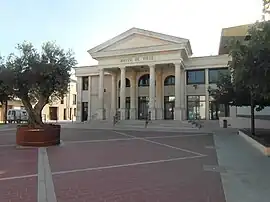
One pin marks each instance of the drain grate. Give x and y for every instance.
(210, 147)
(214, 168)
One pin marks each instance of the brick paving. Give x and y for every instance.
(134, 170)
(18, 190)
(18, 171)
(103, 165)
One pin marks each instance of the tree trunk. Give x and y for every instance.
(252, 117)
(5, 113)
(226, 108)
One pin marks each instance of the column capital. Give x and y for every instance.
(122, 67)
(100, 69)
(151, 65)
(179, 64)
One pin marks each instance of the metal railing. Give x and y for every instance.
(116, 118)
(147, 119)
(195, 123)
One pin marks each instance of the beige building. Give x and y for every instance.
(141, 71)
(64, 109)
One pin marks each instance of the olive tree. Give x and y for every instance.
(36, 77)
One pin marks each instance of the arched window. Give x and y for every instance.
(169, 81)
(144, 80)
(127, 83)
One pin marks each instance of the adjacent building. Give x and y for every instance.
(62, 109)
(58, 110)
(143, 73)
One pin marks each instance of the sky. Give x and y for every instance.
(83, 24)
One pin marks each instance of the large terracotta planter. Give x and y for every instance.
(48, 135)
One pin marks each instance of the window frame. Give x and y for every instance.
(215, 69)
(85, 83)
(195, 83)
(169, 78)
(74, 97)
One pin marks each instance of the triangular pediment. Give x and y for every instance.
(137, 38)
(136, 41)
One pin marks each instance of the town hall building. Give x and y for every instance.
(143, 73)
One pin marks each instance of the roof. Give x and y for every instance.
(229, 33)
(143, 32)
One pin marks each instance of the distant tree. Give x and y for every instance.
(36, 78)
(266, 6)
(5, 93)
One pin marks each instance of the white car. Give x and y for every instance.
(17, 115)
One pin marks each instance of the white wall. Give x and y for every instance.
(246, 111)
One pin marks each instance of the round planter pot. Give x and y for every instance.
(48, 135)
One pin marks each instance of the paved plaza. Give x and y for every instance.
(120, 165)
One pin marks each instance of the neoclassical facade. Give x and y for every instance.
(142, 73)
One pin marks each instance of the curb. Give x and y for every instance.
(264, 150)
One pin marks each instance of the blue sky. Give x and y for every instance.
(83, 24)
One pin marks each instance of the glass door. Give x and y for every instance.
(169, 103)
(143, 105)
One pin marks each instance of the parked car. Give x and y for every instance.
(17, 115)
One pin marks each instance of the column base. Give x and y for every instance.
(184, 114)
(122, 114)
(101, 114)
(159, 114)
(133, 113)
(178, 114)
(153, 113)
(113, 113)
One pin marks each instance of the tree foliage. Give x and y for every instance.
(266, 6)
(36, 77)
(249, 84)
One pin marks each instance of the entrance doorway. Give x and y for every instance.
(127, 106)
(169, 103)
(53, 113)
(143, 105)
(85, 111)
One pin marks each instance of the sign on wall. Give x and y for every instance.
(137, 59)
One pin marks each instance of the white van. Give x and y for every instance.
(17, 115)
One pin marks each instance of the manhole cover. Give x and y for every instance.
(214, 168)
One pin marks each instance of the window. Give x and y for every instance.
(196, 107)
(74, 113)
(74, 99)
(85, 83)
(84, 111)
(127, 83)
(144, 80)
(196, 76)
(62, 100)
(169, 81)
(214, 74)
(70, 113)
(65, 114)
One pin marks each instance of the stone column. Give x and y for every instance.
(177, 108)
(123, 93)
(206, 94)
(183, 94)
(89, 98)
(79, 99)
(159, 89)
(113, 98)
(133, 96)
(152, 92)
(101, 95)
